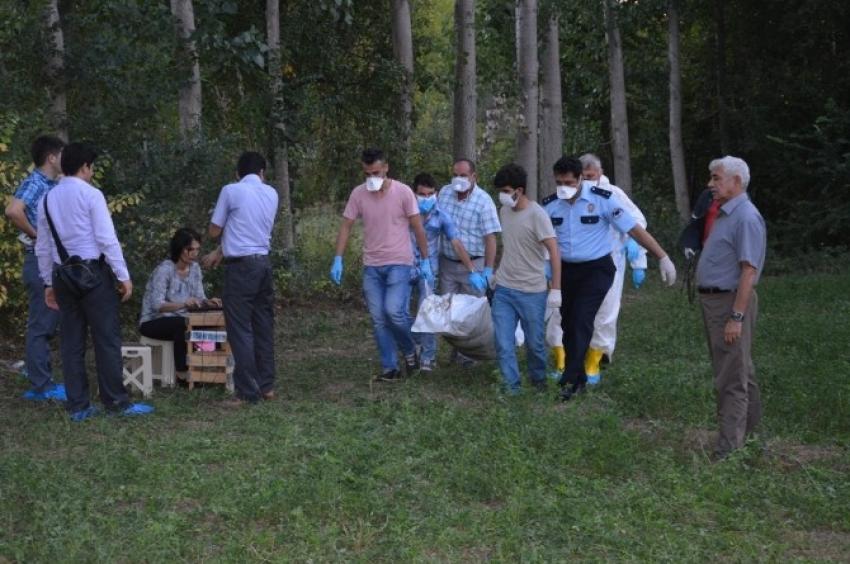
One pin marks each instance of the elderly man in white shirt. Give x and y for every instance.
(74, 216)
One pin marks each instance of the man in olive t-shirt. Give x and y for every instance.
(521, 293)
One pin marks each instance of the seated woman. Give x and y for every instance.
(175, 287)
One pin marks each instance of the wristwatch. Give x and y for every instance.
(737, 316)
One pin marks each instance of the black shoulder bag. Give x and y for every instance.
(78, 275)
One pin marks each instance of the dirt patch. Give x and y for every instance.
(828, 546)
(794, 455)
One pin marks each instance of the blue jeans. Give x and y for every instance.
(41, 326)
(428, 341)
(529, 308)
(387, 292)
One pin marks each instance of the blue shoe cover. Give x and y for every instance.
(137, 409)
(56, 393)
(594, 379)
(32, 395)
(84, 414)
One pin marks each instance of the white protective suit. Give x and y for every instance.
(605, 325)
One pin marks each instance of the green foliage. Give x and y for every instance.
(822, 217)
(13, 299)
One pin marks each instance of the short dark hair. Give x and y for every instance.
(250, 162)
(470, 162)
(75, 156)
(43, 147)
(372, 155)
(566, 165)
(182, 238)
(511, 175)
(424, 179)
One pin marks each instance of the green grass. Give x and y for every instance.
(443, 468)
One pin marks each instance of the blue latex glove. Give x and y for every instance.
(425, 271)
(632, 250)
(488, 274)
(336, 270)
(638, 276)
(477, 281)
(547, 268)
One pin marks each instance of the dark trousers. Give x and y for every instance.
(248, 301)
(171, 328)
(96, 311)
(738, 396)
(583, 288)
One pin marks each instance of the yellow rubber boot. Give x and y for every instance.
(560, 358)
(559, 362)
(591, 365)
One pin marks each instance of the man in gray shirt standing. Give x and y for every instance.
(727, 273)
(245, 214)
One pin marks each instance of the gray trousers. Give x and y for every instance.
(454, 276)
(738, 396)
(96, 311)
(248, 301)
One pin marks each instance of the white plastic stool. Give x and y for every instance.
(162, 355)
(136, 360)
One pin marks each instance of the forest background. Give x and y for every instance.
(172, 93)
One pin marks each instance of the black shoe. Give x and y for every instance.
(567, 392)
(391, 376)
(411, 366)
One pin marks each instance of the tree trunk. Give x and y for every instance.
(280, 159)
(619, 115)
(465, 99)
(720, 54)
(528, 68)
(58, 110)
(189, 105)
(551, 112)
(677, 149)
(403, 50)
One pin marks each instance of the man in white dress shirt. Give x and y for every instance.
(82, 223)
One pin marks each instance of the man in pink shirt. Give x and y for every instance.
(389, 210)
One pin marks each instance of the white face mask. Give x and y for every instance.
(460, 184)
(566, 192)
(506, 200)
(591, 183)
(374, 183)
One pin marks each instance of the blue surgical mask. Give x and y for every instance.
(426, 203)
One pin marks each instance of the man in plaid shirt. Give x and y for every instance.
(42, 321)
(474, 214)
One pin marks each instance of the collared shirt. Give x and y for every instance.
(165, 285)
(245, 210)
(30, 192)
(739, 235)
(83, 224)
(583, 228)
(386, 222)
(474, 217)
(436, 224)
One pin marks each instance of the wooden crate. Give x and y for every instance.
(208, 366)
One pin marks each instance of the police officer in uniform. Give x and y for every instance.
(582, 215)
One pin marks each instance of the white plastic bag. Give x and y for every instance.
(458, 315)
(554, 333)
